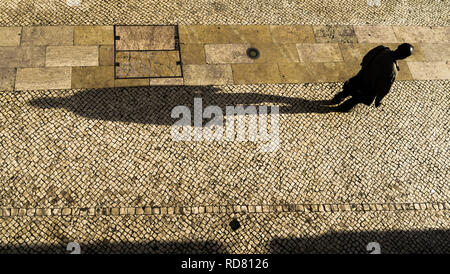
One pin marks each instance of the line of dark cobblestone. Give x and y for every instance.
(187, 210)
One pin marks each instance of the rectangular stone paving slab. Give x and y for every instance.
(93, 77)
(277, 52)
(193, 54)
(7, 77)
(106, 57)
(145, 37)
(19, 57)
(217, 74)
(295, 73)
(292, 34)
(256, 73)
(332, 71)
(94, 35)
(10, 36)
(429, 70)
(47, 35)
(319, 52)
(421, 34)
(404, 73)
(227, 53)
(43, 78)
(131, 82)
(375, 34)
(224, 34)
(71, 56)
(436, 51)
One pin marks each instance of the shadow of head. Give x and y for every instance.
(153, 105)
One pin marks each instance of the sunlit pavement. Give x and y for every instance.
(100, 167)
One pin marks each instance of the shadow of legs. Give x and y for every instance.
(347, 105)
(339, 97)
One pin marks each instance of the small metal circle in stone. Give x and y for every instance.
(253, 53)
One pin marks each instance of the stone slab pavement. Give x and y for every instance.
(62, 57)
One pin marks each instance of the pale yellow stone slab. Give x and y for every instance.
(193, 54)
(404, 73)
(436, 51)
(375, 34)
(295, 73)
(93, 35)
(224, 34)
(7, 78)
(106, 57)
(326, 52)
(421, 34)
(71, 56)
(43, 78)
(266, 73)
(332, 72)
(166, 81)
(131, 82)
(208, 34)
(253, 33)
(429, 70)
(93, 77)
(10, 36)
(277, 52)
(18, 57)
(292, 34)
(207, 74)
(227, 53)
(145, 37)
(47, 35)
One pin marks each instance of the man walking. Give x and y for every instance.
(378, 71)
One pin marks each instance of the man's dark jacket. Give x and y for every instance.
(374, 80)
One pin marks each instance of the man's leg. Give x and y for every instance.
(339, 97)
(349, 85)
(348, 105)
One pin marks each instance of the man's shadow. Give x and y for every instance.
(153, 105)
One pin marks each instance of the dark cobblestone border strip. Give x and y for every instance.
(116, 211)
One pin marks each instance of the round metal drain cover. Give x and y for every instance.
(253, 53)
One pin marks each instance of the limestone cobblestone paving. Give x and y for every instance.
(113, 148)
(244, 12)
(285, 232)
(99, 167)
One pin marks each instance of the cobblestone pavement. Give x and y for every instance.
(280, 12)
(109, 153)
(348, 232)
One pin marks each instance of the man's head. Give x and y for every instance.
(403, 51)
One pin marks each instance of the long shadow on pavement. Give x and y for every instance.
(153, 105)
